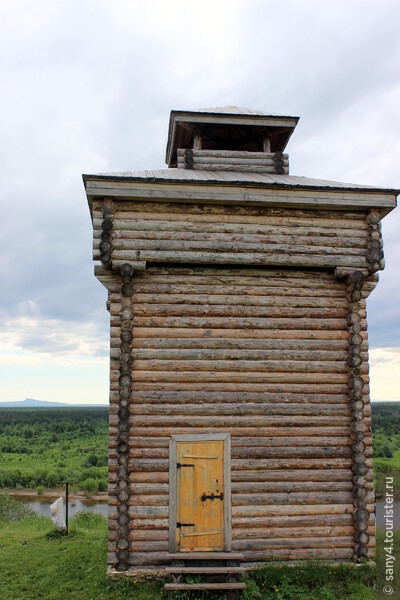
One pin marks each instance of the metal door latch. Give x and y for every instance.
(212, 497)
(179, 525)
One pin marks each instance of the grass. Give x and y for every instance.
(384, 467)
(312, 581)
(39, 563)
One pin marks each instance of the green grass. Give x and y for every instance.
(312, 581)
(384, 467)
(37, 562)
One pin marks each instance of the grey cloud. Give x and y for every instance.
(87, 87)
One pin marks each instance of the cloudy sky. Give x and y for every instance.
(87, 87)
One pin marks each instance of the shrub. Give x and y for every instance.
(94, 473)
(52, 479)
(11, 510)
(85, 520)
(40, 490)
(90, 486)
(92, 460)
(102, 485)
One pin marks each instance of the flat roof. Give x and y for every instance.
(265, 180)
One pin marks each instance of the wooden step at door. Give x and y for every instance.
(217, 571)
(205, 586)
(206, 570)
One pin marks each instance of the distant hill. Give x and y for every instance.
(32, 403)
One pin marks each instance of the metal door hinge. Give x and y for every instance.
(212, 497)
(179, 525)
(180, 465)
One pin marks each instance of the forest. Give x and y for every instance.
(44, 447)
(386, 443)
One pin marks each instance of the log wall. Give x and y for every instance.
(236, 235)
(260, 353)
(228, 160)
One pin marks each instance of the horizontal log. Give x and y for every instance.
(210, 397)
(234, 165)
(227, 154)
(250, 288)
(289, 498)
(234, 377)
(235, 421)
(292, 542)
(292, 510)
(232, 300)
(236, 310)
(256, 432)
(240, 323)
(152, 535)
(195, 387)
(297, 532)
(242, 408)
(233, 275)
(200, 332)
(242, 354)
(149, 524)
(252, 258)
(244, 487)
(227, 245)
(234, 158)
(149, 500)
(264, 367)
(164, 230)
(240, 525)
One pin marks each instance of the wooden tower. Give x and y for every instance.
(240, 419)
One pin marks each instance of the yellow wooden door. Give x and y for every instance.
(200, 490)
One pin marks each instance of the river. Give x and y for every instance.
(42, 506)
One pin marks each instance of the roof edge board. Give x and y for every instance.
(341, 187)
(250, 195)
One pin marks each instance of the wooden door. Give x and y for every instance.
(200, 496)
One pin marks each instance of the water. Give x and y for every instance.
(42, 506)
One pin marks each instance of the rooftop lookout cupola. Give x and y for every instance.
(229, 139)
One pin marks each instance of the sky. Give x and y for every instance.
(87, 87)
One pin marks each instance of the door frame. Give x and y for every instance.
(226, 438)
